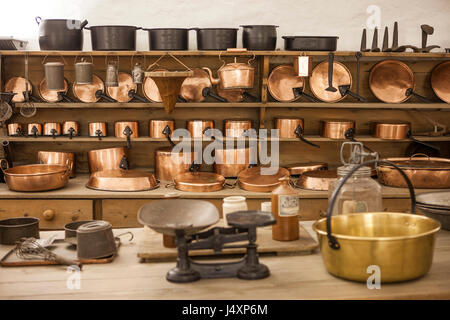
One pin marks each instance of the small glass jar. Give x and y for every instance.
(233, 204)
(359, 194)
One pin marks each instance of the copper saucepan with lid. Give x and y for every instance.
(98, 129)
(236, 127)
(90, 93)
(52, 129)
(126, 129)
(336, 128)
(286, 86)
(58, 157)
(126, 90)
(108, 159)
(197, 128)
(292, 128)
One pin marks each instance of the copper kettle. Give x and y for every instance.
(236, 75)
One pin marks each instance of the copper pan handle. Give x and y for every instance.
(299, 133)
(69, 165)
(410, 136)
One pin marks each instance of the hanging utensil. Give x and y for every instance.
(6, 110)
(137, 71)
(84, 71)
(330, 73)
(27, 109)
(54, 74)
(112, 72)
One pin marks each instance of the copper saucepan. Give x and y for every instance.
(197, 128)
(336, 128)
(158, 128)
(237, 95)
(440, 79)
(286, 86)
(91, 93)
(341, 80)
(53, 96)
(126, 90)
(70, 128)
(230, 162)
(292, 128)
(392, 81)
(126, 129)
(237, 127)
(34, 129)
(18, 85)
(108, 159)
(98, 129)
(15, 129)
(197, 87)
(52, 129)
(169, 164)
(55, 157)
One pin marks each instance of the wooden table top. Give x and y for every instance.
(295, 277)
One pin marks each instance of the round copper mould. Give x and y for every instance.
(440, 80)
(253, 179)
(297, 169)
(335, 129)
(389, 80)
(317, 180)
(126, 84)
(51, 95)
(199, 182)
(282, 82)
(391, 130)
(287, 127)
(87, 92)
(156, 128)
(318, 81)
(236, 128)
(18, 85)
(197, 127)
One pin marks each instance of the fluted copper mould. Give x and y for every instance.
(423, 171)
(318, 82)
(252, 179)
(15, 129)
(390, 129)
(34, 129)
(336, 128)
(440, 78)
(236, 127)
(57, 157)
(197, 128)
(52, 129)
(122, 180)
(199, 181)
(70, 128)
(18, 85)
(285, 85)
(98, 129)
(389, 81)
(90, 93)
(36, 177)
(316, 180)
(297, 169)
(169, 164)
(52, 96)
(156, 128)
(230, 162)
(108, 159)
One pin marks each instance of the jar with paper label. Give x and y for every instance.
(285, 208)
(359, 194)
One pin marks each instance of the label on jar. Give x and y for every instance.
(288, 205)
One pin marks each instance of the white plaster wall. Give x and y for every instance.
(344, 18)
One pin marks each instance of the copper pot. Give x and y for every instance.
(336, 128)
(251, 179)
(91, 93)
(297, 169)
(157, 127)
(15, 129)
(126, 129)
(391, 130)
(108, 159)
(62, 158)
(292, 128)
(34, 129)
(70, 128)
(168, 165)
(53, 96)
(285, 85)
(197, 128)
(317, 180)
(18, 85)
(236, 128)
(98, 129)
(199, 181)
(230, 162)
(122, 180)
(440, 78)
(52, 129)
(234, 75)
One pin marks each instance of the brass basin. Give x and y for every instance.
(401, 245)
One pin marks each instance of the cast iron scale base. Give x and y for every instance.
(184, 219)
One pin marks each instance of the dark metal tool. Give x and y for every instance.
(345, 89)
(330, 73)
(375, 41)
(363, 47)
(426, 31)
(385, 46)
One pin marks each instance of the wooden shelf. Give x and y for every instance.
(313, 138)
(312, 105)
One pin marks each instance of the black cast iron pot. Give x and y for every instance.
(113, 38)
(259, 37)
(61, 34)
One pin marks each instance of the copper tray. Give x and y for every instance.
(122, 180)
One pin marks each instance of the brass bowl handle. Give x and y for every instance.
(69, 165)
(49, 214)
(2, 161)
(419, 154)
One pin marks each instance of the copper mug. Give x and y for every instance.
(197, 128)
(15, 129)
(98, 129)
(236, 128)
(157, 128)
(126, 129)
(34, 129)
(52, 129)
(54, 157)
(70, 128)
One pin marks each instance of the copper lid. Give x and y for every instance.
(251, 179)
(300, 168)
(440, 78)
(199, 181)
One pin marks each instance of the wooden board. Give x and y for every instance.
(151, 249)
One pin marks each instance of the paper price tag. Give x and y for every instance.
(303, 66)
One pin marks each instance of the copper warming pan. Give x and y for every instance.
(440, 79)
(108, 159)
(236, 128)
(230, 162)
(297, 169)
(122, 180)
(36, 177)
(91, 93)
(317, 180)
(55, 157)
(198, 181)
(285, 85)
(424, 172)
(251, 179)
(336, 129)
(292, 128)
(168, 165)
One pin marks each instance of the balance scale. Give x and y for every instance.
(184, 219)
